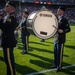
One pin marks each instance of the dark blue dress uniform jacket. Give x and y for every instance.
(65, 27)
(8, 38)
(24, 31)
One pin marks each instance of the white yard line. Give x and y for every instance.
(49, 70)
(0, 48)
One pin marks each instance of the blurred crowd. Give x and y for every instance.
(55, 1)
(69, 11)
(30, 7)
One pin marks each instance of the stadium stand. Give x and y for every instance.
(32, 6)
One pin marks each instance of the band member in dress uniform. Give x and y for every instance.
(60, 38)
(8, 24)
(24, 32)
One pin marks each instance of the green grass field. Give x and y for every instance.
(41, 56)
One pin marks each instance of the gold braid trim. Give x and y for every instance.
(9, 61)
(61, 55)
(26, 44)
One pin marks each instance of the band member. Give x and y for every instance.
(8, 24)
(60, 38)
(24, 32)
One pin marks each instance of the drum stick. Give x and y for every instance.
(55, 27)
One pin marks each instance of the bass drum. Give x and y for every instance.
(42, 23)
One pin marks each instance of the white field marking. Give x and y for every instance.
(70, 39)
(49, 70)
(0, 48)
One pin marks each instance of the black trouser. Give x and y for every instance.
(58, 54)
(25, 42)
(9, 60)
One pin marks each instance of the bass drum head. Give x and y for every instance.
(45, 24)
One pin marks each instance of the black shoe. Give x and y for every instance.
(53, 66)
(24, 52)
(42, 40)
(58, 69)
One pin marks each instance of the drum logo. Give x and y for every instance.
(45, 15)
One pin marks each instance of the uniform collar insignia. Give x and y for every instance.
(9, 20)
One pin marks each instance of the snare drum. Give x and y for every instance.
(42, 23)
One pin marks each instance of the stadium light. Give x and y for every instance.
(41, 2)
(37, 2)
(49, 3)
(44, 2)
